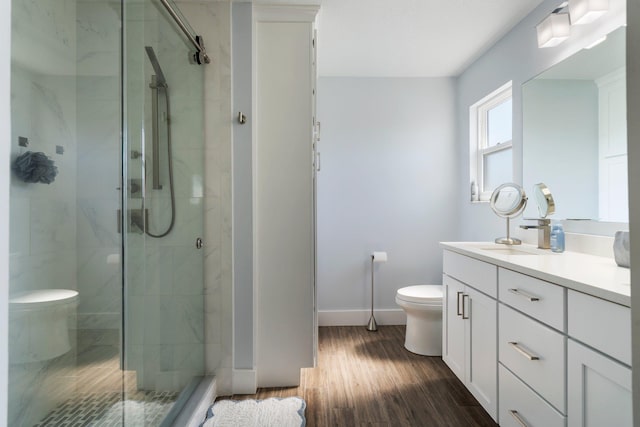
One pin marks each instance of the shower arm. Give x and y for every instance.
(201, 54)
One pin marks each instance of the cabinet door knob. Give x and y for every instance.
(524, 295)
(517, 417)
(522, 351)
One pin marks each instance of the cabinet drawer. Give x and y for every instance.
(537, 357)
(478, 274)
(537, 298)
(529, 407)
(601, 324)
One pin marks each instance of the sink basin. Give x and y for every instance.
(507, 250)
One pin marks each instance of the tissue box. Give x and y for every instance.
(621, 249)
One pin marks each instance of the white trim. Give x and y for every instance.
(361, 317)
(498, 147)
(477, 131)
(245, 381)
(613, 77)
(285, 13)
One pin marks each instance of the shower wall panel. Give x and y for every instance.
(98, 171)
(214, 22)
(43, 217)
(165, 308)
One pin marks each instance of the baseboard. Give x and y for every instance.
(361, 317)
(244, 381)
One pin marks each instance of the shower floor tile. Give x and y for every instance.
(112, 409)
(104, 395)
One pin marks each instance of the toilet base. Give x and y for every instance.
(424, 333)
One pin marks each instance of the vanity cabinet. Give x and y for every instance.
(558, 357)
(532, 345)
(599, 359)
(470, 326)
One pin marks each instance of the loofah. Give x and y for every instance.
(35, 167)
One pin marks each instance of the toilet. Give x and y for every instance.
(39, 328)
(423, 306)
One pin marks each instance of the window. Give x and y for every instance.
(490, 125)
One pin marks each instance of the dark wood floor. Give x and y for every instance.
(369, 379)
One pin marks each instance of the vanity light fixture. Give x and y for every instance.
(554, 29)
(586, 11)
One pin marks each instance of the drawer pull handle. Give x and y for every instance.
(458, 308)
(464, 315)
(519, 420)
(525, 353)
(524, 295)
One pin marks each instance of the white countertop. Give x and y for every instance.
(593, 275)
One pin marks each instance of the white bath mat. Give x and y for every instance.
(273, 412)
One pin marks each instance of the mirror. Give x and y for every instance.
(544, 200)
(508, 201)
(574, 133)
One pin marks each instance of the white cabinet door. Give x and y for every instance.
(453, 339)
(599, 389)
(481, 316)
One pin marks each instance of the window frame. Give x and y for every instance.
(478, 137)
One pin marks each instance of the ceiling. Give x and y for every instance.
(409, 38)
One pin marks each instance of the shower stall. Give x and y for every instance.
(119, 265)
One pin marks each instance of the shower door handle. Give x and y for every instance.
(199, 243)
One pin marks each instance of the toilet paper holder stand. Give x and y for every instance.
(376, 257)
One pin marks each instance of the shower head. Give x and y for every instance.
(160, 80)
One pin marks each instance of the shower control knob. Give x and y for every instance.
(199, 243)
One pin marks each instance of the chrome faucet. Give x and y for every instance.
(544, 231)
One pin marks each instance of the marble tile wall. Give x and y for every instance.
(213, 20)
(98, 172)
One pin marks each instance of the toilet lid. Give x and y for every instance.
(421, 294)
(41, 298)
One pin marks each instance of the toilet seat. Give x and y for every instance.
(41, 298)
(421, 294)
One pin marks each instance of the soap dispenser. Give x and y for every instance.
(557, 238)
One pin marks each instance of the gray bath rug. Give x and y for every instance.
(273, 412)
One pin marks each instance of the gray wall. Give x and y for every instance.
(515, 57)
(387, 183)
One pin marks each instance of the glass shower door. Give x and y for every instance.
(163, 172)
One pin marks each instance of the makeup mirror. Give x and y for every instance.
(544, 200)
(508, 201)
